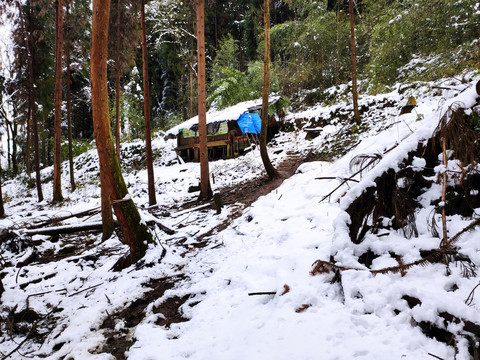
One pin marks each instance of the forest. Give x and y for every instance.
(310, 52)
(345, 227)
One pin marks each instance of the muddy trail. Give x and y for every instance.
(250, 191)
(244, 194)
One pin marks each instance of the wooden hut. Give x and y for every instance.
(229, 132)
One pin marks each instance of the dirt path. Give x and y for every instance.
(243, 195)
(250, 191)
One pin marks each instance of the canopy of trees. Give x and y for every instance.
(310, 50)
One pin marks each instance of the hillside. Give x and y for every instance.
(340, 261)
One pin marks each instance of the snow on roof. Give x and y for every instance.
(229, 113)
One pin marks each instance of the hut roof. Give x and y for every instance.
(230, 113)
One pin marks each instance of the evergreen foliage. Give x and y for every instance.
(444, 31)
(313, 51)
(396, 41)
(229, 85)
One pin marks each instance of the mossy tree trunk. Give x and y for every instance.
(205, 189)
(57, 128)
(135, 233)
(271, 171)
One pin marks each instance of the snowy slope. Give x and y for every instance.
(270, 248)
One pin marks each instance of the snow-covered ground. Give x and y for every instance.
(269, 249)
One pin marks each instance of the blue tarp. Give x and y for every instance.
(250, 123)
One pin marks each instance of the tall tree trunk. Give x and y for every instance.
(14, 147)
(118, 68)
(108, 223)
(2, 209)
(45, 148)
(190, 85)
(205, 189)
(29, 141)
(271, 172)
(146, 112)
(135, 233)
(9, 141)
(191, 79)
(444, 198)
(68, 46)
(338, 24)
(57, 129)
(354, 64)
(32, 106)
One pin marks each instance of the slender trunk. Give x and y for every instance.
(215, 26)
(68, 45)
(190, 85)
(271, 172)
(14, 148)
(117, 83)
(57, 129)
(354, 64)
(241, 59)
(45, 149)
(29, 142)
(2, 209)
(205, 189)
(31, 99)
(108, 224)
(190, 80)
(9, 154)
(444, 195)
(135, 233)
(146, 111)
(338, 59)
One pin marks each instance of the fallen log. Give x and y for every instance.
(180, 213)
(66, 229)
(62, 218)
